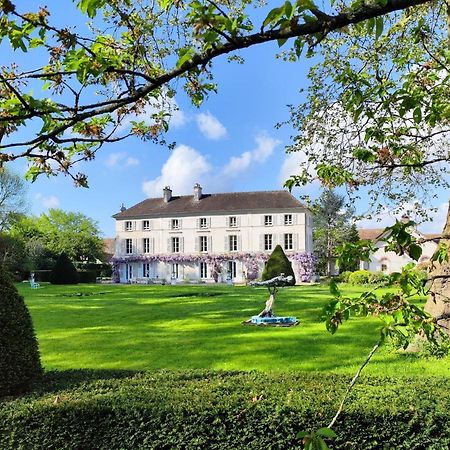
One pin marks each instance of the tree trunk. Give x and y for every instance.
(438, 302)
(268, 310)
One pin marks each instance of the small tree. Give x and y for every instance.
(277, 273)
(64, 271)
(19, 354)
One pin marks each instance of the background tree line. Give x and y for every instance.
(30, 243)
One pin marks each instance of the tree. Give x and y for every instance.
(12, 197)
(59, 232)
(277, 272)
(332, 227)
(19, 362)
(132, 58)
(12, 254)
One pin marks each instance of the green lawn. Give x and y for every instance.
(199, 327)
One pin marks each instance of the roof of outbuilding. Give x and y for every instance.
(212, 203)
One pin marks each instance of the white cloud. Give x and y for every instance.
(121, 159)
(181, 171)
(48, 202)
(210, 126)
(186, 166)
(265, 145)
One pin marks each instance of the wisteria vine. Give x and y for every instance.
(304, 266)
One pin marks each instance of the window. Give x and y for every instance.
(128, 246)
(384, 267)
(203, 222)
(288, 219)
(176, 245)
(268, 222)
(175, 271)
(128, 225)
(146, 245)
(129, 271)
(203, 243)
(232, 269)
(288, 242)
(233, 243)
(146, 225)
(267, 242)
(175, 225)
(232, 221)
(203, 270)
(146, 270)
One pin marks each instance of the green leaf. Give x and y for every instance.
(417, 115)
(334, 290)
(379, 23)
(415, 251)
(326, 432)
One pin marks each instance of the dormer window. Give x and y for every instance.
(175, 224)
(268, 221)
(128, 225)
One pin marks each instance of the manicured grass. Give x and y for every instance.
(199, 327)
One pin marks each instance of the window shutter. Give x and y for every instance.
(295, 241)
(227, 222)
(239, 242)
(238, 221)
(274, 219)
(169, 224)
(169, 246)
(208, 222)
(197, 243)
(226, 247)
(261, 242)
(294, 219)
(209, 243)
(262, 220)
(181, 244)
(123, 247)
(134, 225)
(198, 223)
(180, 223)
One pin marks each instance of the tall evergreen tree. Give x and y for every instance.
(332, 227)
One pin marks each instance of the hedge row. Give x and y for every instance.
(218, 410)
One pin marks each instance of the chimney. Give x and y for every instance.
(197, 192)
(167, 194)
(122, 208)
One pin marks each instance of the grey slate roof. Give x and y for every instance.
(231, 202)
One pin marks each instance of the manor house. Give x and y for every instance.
(208, 237)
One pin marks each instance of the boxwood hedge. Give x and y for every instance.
(219, 410)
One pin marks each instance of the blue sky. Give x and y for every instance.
(229, 144)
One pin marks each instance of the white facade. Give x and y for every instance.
(167, 247)
(389, 262)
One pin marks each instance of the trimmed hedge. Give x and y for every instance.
(87, 276)
(64, 271)
(359, 277)
(218, 410)
(20, 365)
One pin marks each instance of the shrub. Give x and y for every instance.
(344, 276)
(359, 277)
(219, 410)
(64, 271)
(87, 276)
(377, 277)
(278, 264)
(19, 355)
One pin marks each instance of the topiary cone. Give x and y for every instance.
(278, 264)
(19, 354)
